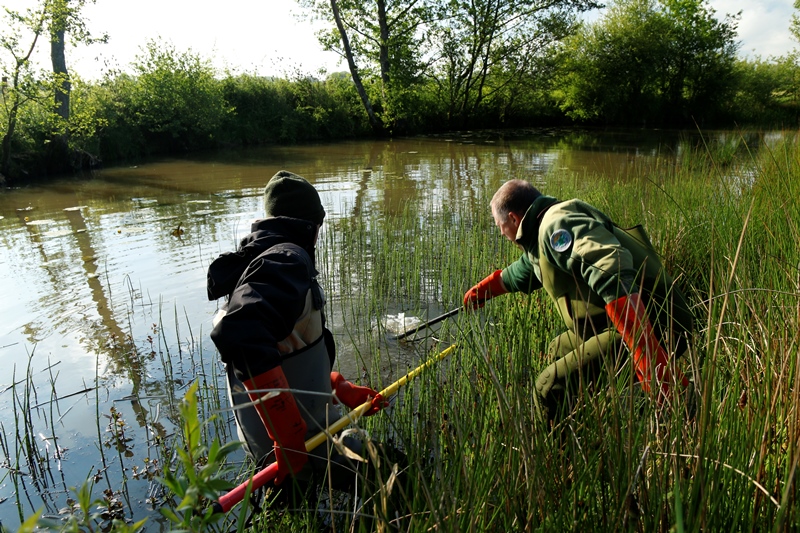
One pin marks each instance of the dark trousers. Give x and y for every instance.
(578, 361)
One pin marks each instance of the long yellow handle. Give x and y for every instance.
(227, 501)
(356, 413)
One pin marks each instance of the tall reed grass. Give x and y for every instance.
(479, 456)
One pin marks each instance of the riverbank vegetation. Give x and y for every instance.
(482, 461)
(414, 68)
(720, 456)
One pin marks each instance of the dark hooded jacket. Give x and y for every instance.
(267, 281)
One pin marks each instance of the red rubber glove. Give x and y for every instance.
(487, 288)
(630, 318)
(354, 395)
(281, 417)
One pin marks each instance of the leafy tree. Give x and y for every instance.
(175, 100)
(19, 80)
(650, 61)
(492, 48)
(53, 20)
(347, 48)
(258, 106)
(269, 110)
(794, 26)
(452, 59)
(64, 16)
(697, 70)
(609, 68)
(383, 42)
(766, 92)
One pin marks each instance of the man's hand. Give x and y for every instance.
(487, 288)
(354, 395)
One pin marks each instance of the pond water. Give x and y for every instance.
(104, 319)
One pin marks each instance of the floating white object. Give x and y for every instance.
(400, 322)
(57, 233)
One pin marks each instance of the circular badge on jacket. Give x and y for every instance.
(561, 240)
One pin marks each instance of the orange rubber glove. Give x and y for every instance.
(281, 417)
(487, 288)
(354, 395)
(630, 318)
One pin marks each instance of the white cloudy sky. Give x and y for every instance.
(764, 26)
(265, 37)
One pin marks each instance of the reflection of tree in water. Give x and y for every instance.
(102, 336)
(109, 338)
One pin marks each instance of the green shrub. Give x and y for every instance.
(176, 101)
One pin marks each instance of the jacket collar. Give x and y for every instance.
(268, 232)
(528, 232)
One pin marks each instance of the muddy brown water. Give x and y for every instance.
(103, 283)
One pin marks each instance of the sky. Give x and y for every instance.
(263, 37)
(266, 37)
(764, 26)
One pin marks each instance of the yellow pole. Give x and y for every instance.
(356, 413)
(268, 473)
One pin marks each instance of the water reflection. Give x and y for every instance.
(105, 297)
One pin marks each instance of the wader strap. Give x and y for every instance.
(309, 370)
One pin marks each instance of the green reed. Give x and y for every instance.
(141, 449)
(479, 457)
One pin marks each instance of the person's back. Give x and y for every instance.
(271, 335)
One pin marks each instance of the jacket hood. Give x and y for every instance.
(226, 270)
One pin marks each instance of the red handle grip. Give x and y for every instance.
(227, 501)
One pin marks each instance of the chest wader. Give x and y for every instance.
(577, 353)
(591, 344)
(667, 307)
(306, 363)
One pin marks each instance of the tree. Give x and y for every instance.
(767, 92)
(658, 62)
(19, 85)
(697, 70)
(64, 17)
(176, 101)
(52, 19)
(374, 121)
(490, 47)
(383, 43)
(608, 68)
(478, 57)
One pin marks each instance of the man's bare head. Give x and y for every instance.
(510, 203)
(514, 196)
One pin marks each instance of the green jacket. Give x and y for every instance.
(584, 261)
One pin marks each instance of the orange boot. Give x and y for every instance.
(281, 417)
(630, 318)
